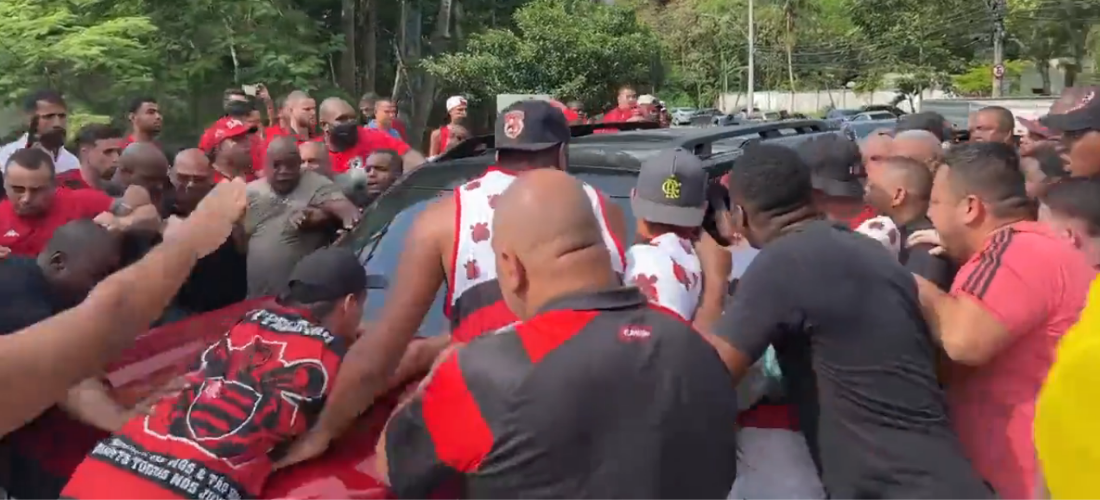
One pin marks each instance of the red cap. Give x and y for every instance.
(224, 128)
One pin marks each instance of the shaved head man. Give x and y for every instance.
(300, 113)
(555, 277)
(192, 177)
(143, 164)
(875, 147)
(992, 124)
(349, 144)
(919, 145)
(315, 158)
(450, 245)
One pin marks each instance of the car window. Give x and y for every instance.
(385, 251)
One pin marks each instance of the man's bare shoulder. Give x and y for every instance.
(438, 218)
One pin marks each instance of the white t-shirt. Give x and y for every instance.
(64, 162)
(668, 271)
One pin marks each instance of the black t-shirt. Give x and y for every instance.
(25, 297)
(858, 364)
(935, 268)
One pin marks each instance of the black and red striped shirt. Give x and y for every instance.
(599, 395)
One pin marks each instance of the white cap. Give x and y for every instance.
(455, 101)
(647, 99)
(884, 231)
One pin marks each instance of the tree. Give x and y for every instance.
(567, 48)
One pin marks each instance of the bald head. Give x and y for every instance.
(875, 147)
(315, 158)
(911, 175)
(143, 164)
(142, 156)
(192, 162)
(294, 97)
(564, 253)
(335, 109)
(919, 145)
(282, 145)
(79, 254)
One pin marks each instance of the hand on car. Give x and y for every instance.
(926, 237)
(312, 444)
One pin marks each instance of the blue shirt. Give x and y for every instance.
(374, 124)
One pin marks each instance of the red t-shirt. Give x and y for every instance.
(617, 115)
(370, 140)
(255, 390)
(860, 218)
(1035, 283)
(277, 131)
(72, 179)
(29, 235)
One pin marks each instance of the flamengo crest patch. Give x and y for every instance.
(513, 124)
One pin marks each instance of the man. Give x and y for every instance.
(1039, 134)
(929, 121)
(442, 138)
(234, 95)
(899, 188)
(920, 145)
(578, 108)
(362, 186)
(349, 145)
(450, 244)
(47, 115)
(32, 289)
(43, 361)
(290, 214)
(315, 158)
(143, 164)
(669, 202)
(1041, 168)
(835, 168)
(366, 107)
(627, 102)
(35, 207)
(1071, 208)
(145, 120)
(665, 440)
(301, 118)
(231, 146)
(219, 279)
(100, 147)
(993, 124)
(385, 112)
(1020, 288)
(269, 375)
(875, 148)
(859, 375)
(1080, 135)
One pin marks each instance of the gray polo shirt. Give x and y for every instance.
(274, 246)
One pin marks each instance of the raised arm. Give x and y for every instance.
(40, 363)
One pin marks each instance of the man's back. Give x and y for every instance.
(859, 365)
(598, 396)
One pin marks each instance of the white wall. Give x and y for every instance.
(812, 102)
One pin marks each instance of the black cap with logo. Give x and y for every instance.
(329, 274)
(1085, 115)
(531, 125)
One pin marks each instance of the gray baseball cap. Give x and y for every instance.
(672, 189)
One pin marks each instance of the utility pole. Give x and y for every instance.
(752, 73)
(998, 7)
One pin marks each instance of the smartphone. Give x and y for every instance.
(32, 133)
(251, 89)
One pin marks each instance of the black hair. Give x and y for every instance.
(92, 133)
(396, 161)
(771, 179)
(918, 177)
(925, 120)
(30, 104)
(240, 109)
(1005, 121)
(992, 172)
(1077, 198)
(31, 159)
(1050, 161)
(234, 92)
(137, 102)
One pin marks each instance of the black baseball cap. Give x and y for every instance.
(1085, 115)
(671, 189)
(531, 125)
(329, 274)
(835, 165)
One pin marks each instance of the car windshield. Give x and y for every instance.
(382, 241)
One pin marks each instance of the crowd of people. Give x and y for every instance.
(832, 320)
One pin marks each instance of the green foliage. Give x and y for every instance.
(978, 80)
(568, 48)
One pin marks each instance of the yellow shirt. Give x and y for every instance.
(1067, 418)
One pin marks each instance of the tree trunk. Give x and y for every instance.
(790, 49)
(369, 56)
(347, 59)
(1043, 67)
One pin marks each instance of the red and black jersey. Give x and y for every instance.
(254, 391)
(599, 395)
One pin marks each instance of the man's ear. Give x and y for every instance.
(973, 208)
(899, 197)
(57, 262)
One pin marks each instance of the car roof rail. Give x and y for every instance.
(478, 145)
(700, 143)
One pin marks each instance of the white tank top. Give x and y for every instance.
(473, 261)
(668, 271)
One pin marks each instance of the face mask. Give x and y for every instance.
(344, 135)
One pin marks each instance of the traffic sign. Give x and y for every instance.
(998, 71)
